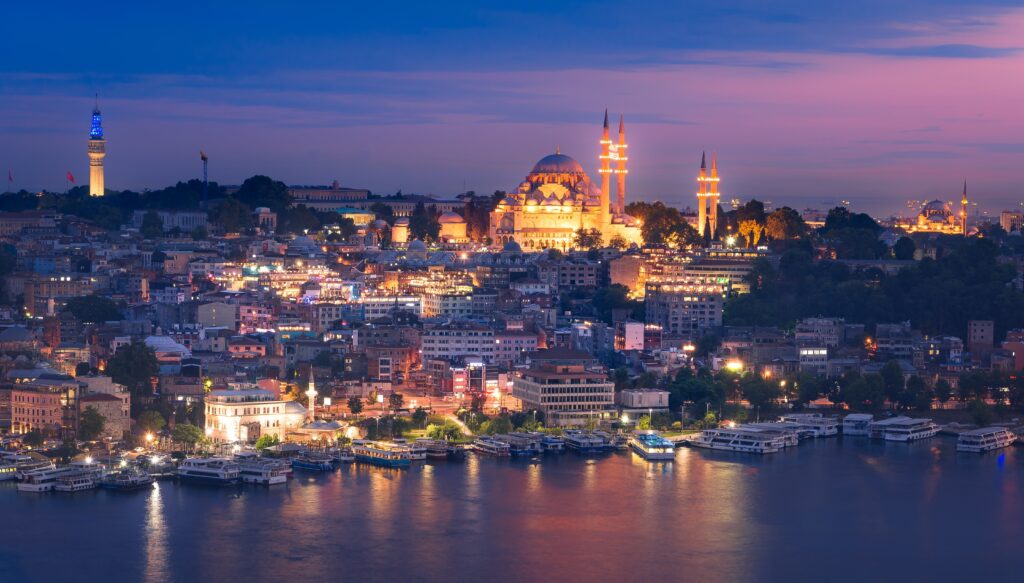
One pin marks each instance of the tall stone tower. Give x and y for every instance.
(620, 171)
(707, 198)
(606, 175)
(97, 152)
(963, 211)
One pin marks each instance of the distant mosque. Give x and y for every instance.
(938, 217)
(557, 199)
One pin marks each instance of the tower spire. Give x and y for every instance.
(620, 171)
(97, 151)
(963, 211)
(605, 171)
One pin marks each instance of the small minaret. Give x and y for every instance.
(713, 195)
(621, 157)
(963, 211)
(702, 196)
(311, 397)
(97, 152)
(606, 170)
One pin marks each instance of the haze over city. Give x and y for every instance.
(806, 103)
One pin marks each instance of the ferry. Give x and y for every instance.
(312, 461)
(215, 470)
(902, 429)
(75, 481)
(27, 463)
(652, 447)
(8, 471)
(491, 446)
(857, 423)
(90, 467)
(437, 449)
(265, 472)
(586, 443)
(380, 453)
(615, 440)
(816, 423)
(790, 433)
(127, 479)
(985, 439)
(417, 452)
(42, 480)
(521, 444)
(552, 444)
(739, 439)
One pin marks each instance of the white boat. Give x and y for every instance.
(213, 470)
(315, 461)
(491, 446)
(8, 471)
(266, 472)
(857, 423)
(902, 429)
(126, 479)
(417, 451)
(587, 443)
(790, 433)
(75, 481)
(90, 467)
(652, 446)
(816, 423)
(985, 439)
(436, 448)
(521, 444)
(739, 439)
(379, 453)
(41, 480)
(29, 462)
(343, 455)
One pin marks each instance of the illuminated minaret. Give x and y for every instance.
(97, 152)
(713, 195)
(963, 211)
(606, 172)
(311, 396)
(621, 156)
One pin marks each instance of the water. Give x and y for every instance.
(835, 510)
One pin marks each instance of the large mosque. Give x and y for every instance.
(557, 199)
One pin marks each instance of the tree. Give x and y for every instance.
(396, 400)
(266, 441)
(151, 421)
(761, 394)
(904, 248)
(892, 375)
(662, 225)
(233, 216)
(785, 223)
(448, 431)
(981, 412)
(419, 417)
(264, 191)
(423, 223)
(943, 391)
(93, 309)
(355, 404)
(33, 438)
(187, 434)
(587, 239)
(617, 242)
(152, 227)
(751, 232)
(498, 425)
(199, 233)
(91, 424)
(134, 366)
(83, 369)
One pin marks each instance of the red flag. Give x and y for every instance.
(71, 177)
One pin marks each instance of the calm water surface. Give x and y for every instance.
(831, 510)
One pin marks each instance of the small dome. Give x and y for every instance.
(450, 217)
(511, 247)
(557, 164)
(402, 222)
(380, 224)
(418, 246)
(935, 206)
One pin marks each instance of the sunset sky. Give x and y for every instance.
(806, 102)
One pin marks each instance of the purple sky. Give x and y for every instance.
(805, 104)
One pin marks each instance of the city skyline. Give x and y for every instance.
(784, 96)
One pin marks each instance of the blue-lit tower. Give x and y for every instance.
(97, 152)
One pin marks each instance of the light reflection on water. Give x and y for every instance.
(913, 512)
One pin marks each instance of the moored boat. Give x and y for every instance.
(521, 444)
(587, 443)
(75, 481)
(43, 480)
(652, 446)
(491, 446)
(342, 455)
(379, 453)
(263, 471)
(126, 479)
(312, 461)
(214, 471)
(740, 440)
(902, 429)
(985, 439)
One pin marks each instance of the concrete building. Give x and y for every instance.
(684, 308)
(458, 339)
(245, 415)
(566, 390)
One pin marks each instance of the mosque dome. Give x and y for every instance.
(417, 246)
(935, 206)
(302, 245)
(557, 164)
(450, 218)
(402, 221)
(512, 247)
(379, 224)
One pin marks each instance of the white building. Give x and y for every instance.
(643, 400)
(460, 339)
(567, 393)
(245, 415)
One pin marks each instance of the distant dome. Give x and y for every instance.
(934, 206)
(557, 164)
(450, 217)
(379, 224)
(511, 247)
(402, 221)
(303, 245)
(418, 246)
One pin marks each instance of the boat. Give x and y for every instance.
(652, 446)
(437, 449)
(90, 467)
(214, 470)
(42, 480)
(616, 440)
(739, 439)
(126, 479)
(586, 443)
(521, 444)
(985, 439)
(342, 455)
(75, 481)
(379, 453)
(29, 462)
(316, 462)
(791, 433)
(857, 423)
(552, 444)
(491, 446)
(817, 424)
(265, 472)
(8, 471)
(902, 429)
(417, 452)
